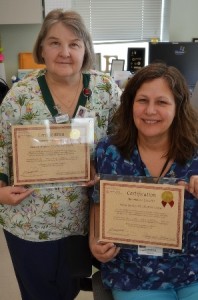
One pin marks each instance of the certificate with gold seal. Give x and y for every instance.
(51, 153)
(137, 213)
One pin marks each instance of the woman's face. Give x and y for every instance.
(62, 51)
(154, 109)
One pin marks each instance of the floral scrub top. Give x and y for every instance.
(50, 214)
(174, 268)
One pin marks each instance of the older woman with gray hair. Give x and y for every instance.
(39, 228)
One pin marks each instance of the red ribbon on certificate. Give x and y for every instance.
(171, 203)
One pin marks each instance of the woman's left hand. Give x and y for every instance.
(93, 175)
(192, 186)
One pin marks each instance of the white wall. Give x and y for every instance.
(183, 20)
(15, 39)
(21, 12)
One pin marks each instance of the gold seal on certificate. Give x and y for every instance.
(75, 134)
(52, 153)
(141, 213)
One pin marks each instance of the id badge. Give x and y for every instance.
(149, 250)
(62, 118)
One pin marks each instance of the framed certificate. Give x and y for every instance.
(50, 154)
(137, 213)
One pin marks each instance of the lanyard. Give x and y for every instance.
(163, 169)
(49, 101)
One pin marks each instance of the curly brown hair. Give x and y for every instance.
(183, 133)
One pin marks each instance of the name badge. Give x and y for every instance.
(81, 112)
(62, 118)
(149, 250)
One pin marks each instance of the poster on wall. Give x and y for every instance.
(135, 59)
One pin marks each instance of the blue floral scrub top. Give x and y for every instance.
(174, 268)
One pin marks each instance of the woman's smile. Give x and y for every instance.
(150, 122)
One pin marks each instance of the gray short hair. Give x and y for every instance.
(75, 22)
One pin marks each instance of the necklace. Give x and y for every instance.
(61, 105)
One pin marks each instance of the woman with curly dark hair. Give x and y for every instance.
(156, 136)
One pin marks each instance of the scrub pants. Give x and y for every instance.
(189, 292)
(41, 269)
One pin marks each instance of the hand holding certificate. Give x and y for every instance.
(141, 214)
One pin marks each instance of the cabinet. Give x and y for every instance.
(21, 12)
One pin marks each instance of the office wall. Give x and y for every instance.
(183, 20)
(15, 39)
(20, 38)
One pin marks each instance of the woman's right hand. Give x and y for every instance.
(13, 195)
(103, 252)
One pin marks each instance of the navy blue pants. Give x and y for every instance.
(41, 269)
